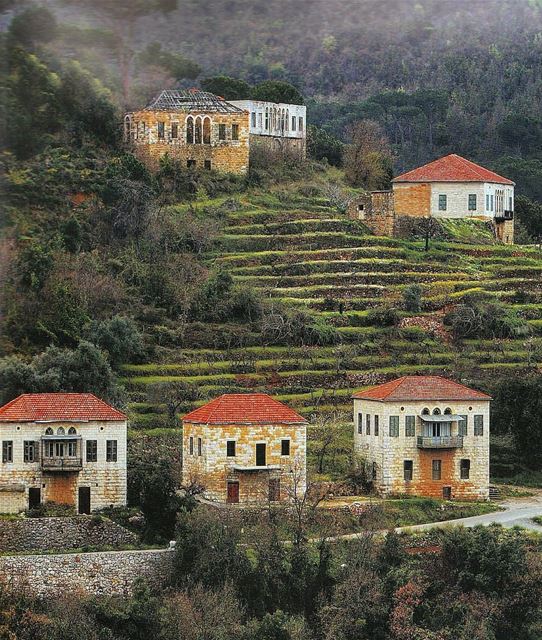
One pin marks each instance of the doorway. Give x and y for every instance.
(84, 500)
(447, 493)
(233, 492)
(274, 489)
(34, 497)
(261, 454)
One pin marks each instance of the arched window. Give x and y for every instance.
(287, 122)
(197, 130)
(425, 412)
(48, 431)
(448, 411)
(127, 128)
(207, 130)
(190, 130)
(72, 431)
(436, 412)
(60, 431)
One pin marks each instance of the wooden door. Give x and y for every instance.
(34, 497)
(261, 454)
(274, 489)
(447, 493)
(233, 492)
(84, 500)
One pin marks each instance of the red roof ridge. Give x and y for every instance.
(57, 407)
(421, 388)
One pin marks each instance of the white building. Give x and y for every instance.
(424, 435)
(67, 448)
(279, 125)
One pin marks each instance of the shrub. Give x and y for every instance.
(412, 298)
(383, 316)
(479, 318)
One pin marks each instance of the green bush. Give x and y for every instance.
(383, 317)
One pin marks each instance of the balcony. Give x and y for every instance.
(440, 442)
(66, 463)
(504, 215)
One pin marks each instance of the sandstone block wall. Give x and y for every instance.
(51, 534)
(376, 209)
(111, 573)
(412, 199)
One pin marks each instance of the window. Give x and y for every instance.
(487, 201)
(472, 202)
(510, 204)
(479, 425)
(161, 130)
(368, 424)
(436, 412)
(284, 447)
(442, 202)
(72, 449)
(464, 469)
(376, 419)
(190, 130)
(72, 431)
(300, 123)
(48, 431)
(407, 469)
(197, 130)
(7, 451)
(199, 447)
(92, 450)
(492, 199)
(191, 445)
(60, 431)
(375, 471)
(190, 163)
(266, 118)
(174, 130)
(254, 119)
(235, 132)
(206, 130)
(425, 412)
(127, 128)
(394, 426)
(260, 120)
(360, 423)
(111, 451)
(410, 426)
(230, 448)
(29, 450)
(436, 469)
(221, 131)
(294, 120)
(462, 426)
(207, 165)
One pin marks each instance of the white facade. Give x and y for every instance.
(407, 451)
(471, 199)
(68, 462)
(275, 119)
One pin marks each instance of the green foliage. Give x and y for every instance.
(119, 337)
(412, 298)
(175, 64)
(33, 25)
(529, 214)
(228, 88)
(383, 316)
(323, 145)
(277, 91)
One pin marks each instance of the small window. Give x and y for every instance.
(7, 451)
(72, 431)
(161, 130)
(111, 451)
(436, 412)
(472, 202)
(174, 130)
(206, 130)
(190, 130)
(60, 431)
(479, 425)
(235, 132)
(207, 165)
(294, 120)
(464, 469)
(510, 204)
(260, 120)
(367, 424)
(92, 450)
(266, 118)
(410, 426)
(425, 412)
(442, 202)
(436, 469)
(407, 469)
(360, 423)
(394, 426)
(30, 450)
(300, 122)
(376, 421)
(199, 447)
(462, 427)
(375, 471)
(253, 116)
(447, 411)
(191, 445)
(190, 163)
(49, 431)
(487, 202)
(492, 197)
(230, 448)
(284, 447)
(197, 130)
(221, 131)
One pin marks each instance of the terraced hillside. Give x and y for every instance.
(299, 251)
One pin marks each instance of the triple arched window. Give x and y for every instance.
(198, 130)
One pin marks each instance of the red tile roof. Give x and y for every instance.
(244, 408)
(452, 168)
(58, 407)
(420, 388)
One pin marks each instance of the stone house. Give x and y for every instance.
(67, 448)
(278, 126)
(450, 187)
(195, 127)
(426, 436)
(244, 448)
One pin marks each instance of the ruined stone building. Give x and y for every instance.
(245, 448)
(278, 126)
(67, 448)
(426, 436)
(450, 187)
(200, 129)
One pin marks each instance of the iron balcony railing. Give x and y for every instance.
(61, 464)
(440, 442)
(504, 215)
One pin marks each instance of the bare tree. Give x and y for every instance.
(368, 158)
(174, 395)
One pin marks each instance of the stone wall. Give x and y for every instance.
(376, 210)
(52, 534)
(111, 573)
(412, 199)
